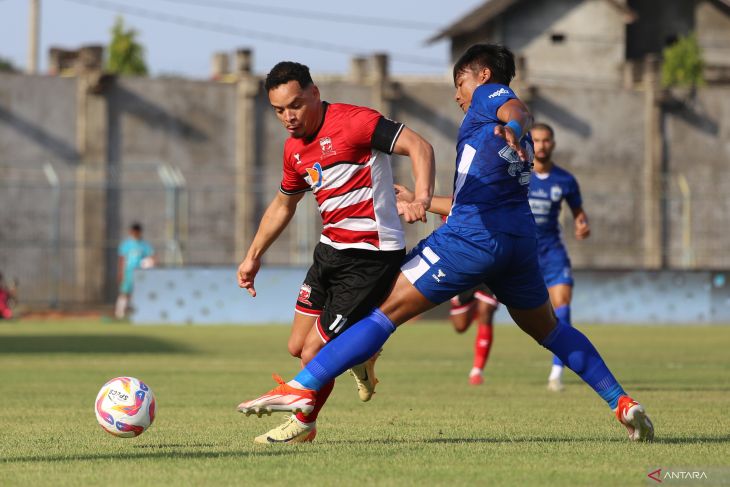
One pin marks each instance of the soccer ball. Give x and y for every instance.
(125, 407)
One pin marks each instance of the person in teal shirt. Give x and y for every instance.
(134, 253)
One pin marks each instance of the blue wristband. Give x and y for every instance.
(516, 128)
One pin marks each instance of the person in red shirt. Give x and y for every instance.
(7, 296)
(340, 153)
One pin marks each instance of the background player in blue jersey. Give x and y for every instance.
(489, 237)
(133, 253)
(550, 185)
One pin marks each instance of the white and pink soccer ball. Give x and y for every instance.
(125, 407)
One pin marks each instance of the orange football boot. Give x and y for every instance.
(632, 415)
(283, 398)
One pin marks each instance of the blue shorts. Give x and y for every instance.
(455, 259)
(555, 267)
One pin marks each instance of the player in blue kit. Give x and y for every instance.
(550, 185)
(489, 238)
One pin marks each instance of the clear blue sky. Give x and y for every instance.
(180, 49)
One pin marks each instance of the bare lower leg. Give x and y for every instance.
(301, 327)
(121, 307)
(312, 345)
(462, 321)
(404, 302)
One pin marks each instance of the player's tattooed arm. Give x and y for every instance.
(582, 228)
(517, 121)
(275, 219)
(440, 205)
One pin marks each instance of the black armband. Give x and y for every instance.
(385, 135)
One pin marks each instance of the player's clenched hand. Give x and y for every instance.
(582, 229)
(513, 142)
(403, 194)
(413, 211)
(246, 273)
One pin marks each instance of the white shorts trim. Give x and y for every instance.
(430, 255)
(484, 298)
(415, 268)
(460, 310)
(308, 314)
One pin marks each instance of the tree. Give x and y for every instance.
(6, 66)
(126, 55)
(683, 63)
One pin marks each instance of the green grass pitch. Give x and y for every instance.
(425, 425)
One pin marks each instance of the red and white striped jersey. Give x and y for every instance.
(346, 165)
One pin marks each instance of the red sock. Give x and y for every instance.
(482, 345)
(322, 396)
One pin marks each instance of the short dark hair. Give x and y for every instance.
(544, 126)
(285, 72)
(136, 227)
(499, 60)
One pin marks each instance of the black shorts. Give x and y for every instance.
(462, 302)
(343, 286)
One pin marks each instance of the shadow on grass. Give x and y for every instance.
(88, 344)
(454, 441)
(175, 445)
(679, 388)
(170, 455)
(661, 440)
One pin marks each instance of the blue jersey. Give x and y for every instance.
(134, 251)
(490, 184)
(546, 198)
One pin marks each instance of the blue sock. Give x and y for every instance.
(579, 354)
(356, 344)
(563, 315)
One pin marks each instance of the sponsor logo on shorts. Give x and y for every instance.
(439, 275)
(304, 293)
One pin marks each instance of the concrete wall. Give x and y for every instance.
(697, 135)
(37, 125)
(190, 125)
(38, 116)
(599, 142)
(600, 131)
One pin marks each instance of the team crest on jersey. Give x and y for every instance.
(304, 293)
(556, 193)
(315, 174)
(298, 158)
(327, 148)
